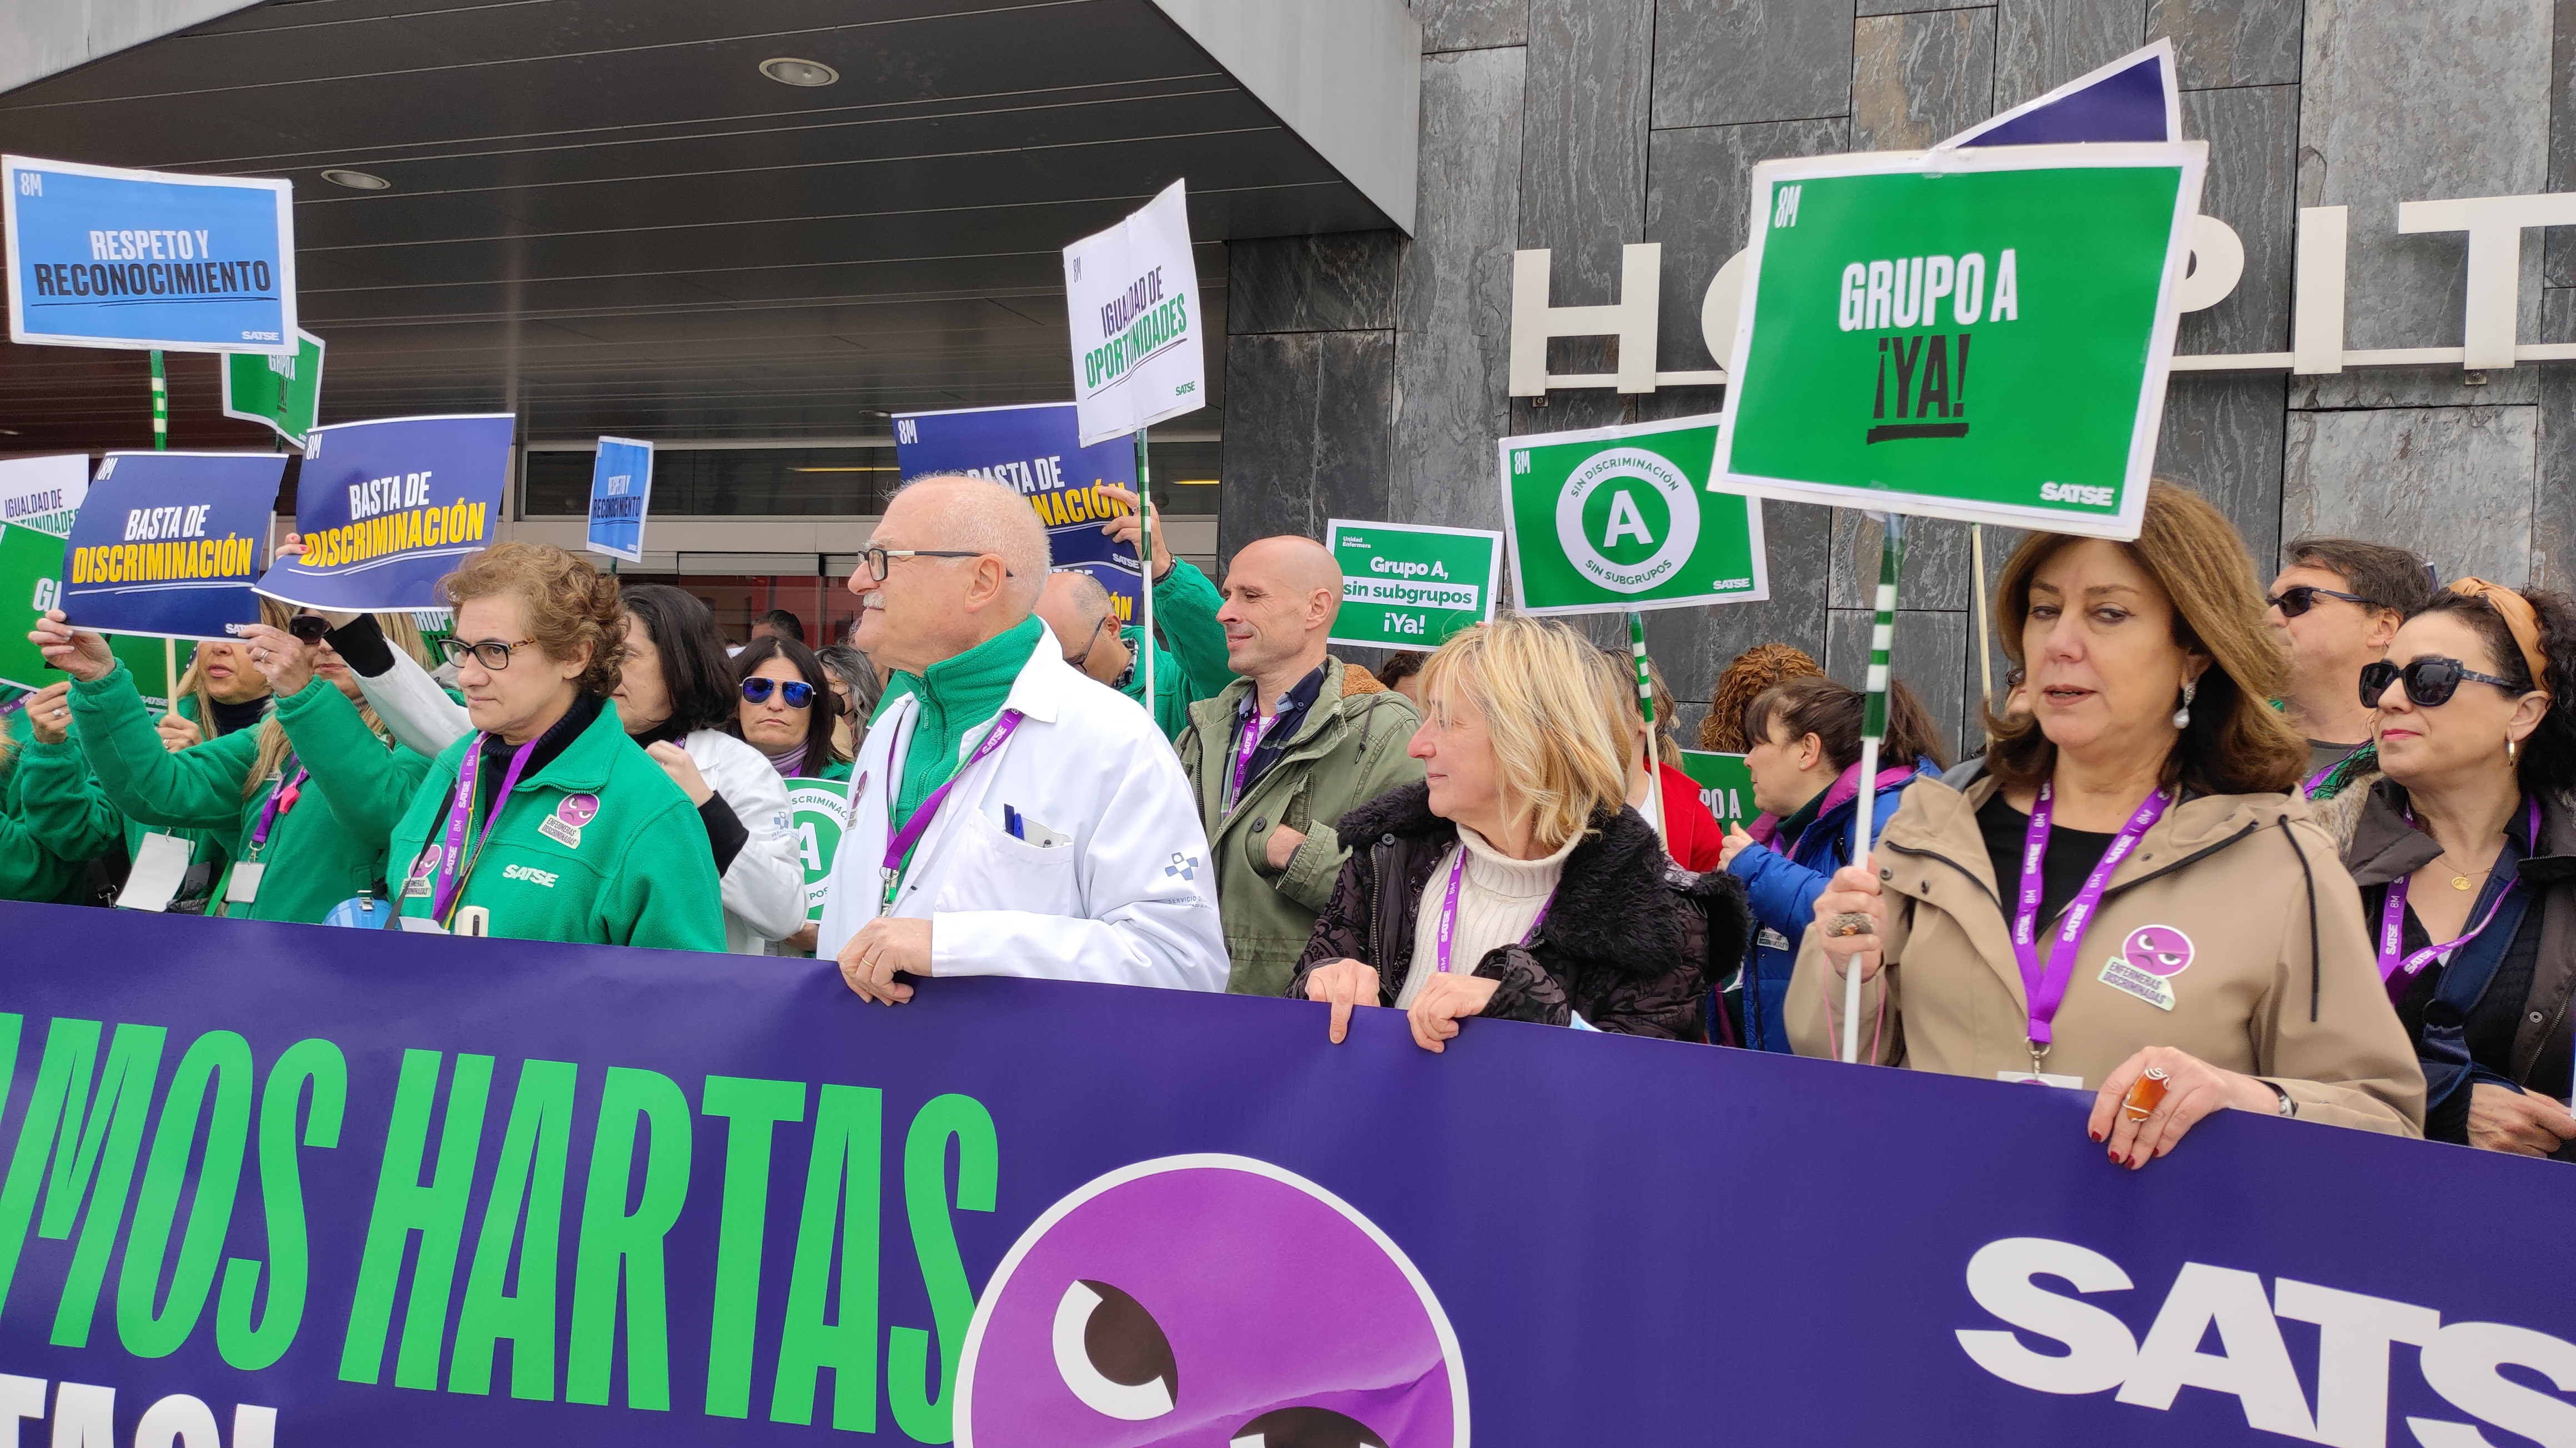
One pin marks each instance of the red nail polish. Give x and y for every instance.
(2097, 1136)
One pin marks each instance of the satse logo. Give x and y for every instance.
(2465, 1362)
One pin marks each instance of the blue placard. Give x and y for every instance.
(414, 1191)
(102, 257)
(621, 491)
(1038, 450)
(168, 543)
(388, 508)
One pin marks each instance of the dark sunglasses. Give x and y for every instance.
(2295, 601)
(2430, 682)
(311, 628)
(796, 692)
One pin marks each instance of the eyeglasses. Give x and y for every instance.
(878, 559)
(1078, 660)
(310, 628)
(796, 692)
(491, 653)
(2430, 682)
(2295, 601)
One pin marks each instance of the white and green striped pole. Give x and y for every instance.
(1646, 707)
(160, 404)
(1873, 728)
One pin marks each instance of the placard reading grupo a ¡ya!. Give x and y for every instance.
(1979, 334)
(1409, 585)
(1615, 519)
(390, 507)
(1725, 785)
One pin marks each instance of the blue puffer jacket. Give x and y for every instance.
(1782, 884)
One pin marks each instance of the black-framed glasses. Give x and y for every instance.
(491, 653)
(1080, 659)
(879, 559)
(796, 692)
(2295, 601)
(309, 628)
(2430, 682)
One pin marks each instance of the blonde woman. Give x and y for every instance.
(1514, 881)
(303, 801)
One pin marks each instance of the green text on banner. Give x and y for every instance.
(819, 808)
(1410, 586)
(1977, 334)
(1725, 785)
(1616, 519)
(284, 393)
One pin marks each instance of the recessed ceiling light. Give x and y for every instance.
(357, 180)
(787, 70)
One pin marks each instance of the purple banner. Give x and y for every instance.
(417, 1190)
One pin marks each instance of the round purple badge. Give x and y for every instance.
(1208, 1300)
(578, 809)
(2158, 950)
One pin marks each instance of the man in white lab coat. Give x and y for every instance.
(1009, 816)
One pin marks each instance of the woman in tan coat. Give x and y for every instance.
(2126, 886)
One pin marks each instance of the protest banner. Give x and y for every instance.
(819, 808)
(1976, 333)
(39, 498)
(281, 393)
(1410, 585)
(104, 257)
(621, 493)
(1725, 785)
(43, 493)
(1615, 519)
(1131, 296)
(1034, 449)
(289, 1190)
(390, 507)
(167, 544)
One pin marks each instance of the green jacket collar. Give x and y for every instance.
(980, 675)
(585, 763)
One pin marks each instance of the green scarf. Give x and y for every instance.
(956, 696)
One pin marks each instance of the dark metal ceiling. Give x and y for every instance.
(604, 216)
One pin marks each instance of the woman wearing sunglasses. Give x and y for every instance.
(2123, 890)
(2465, 851)
(787, 709)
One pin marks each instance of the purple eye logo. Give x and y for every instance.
(2158, 950)
(1209, 1301)
(578, 809)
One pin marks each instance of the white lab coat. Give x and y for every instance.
(764, 887)
(1130, 901)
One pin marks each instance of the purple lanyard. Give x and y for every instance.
(1247, 746)
(1449, 908)
(917, 826)
(454, 864)
(280, 800)
(2047, 991)
(2398, 974)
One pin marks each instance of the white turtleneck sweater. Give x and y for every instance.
(1499, 899)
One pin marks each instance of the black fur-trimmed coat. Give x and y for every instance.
(1628, 941)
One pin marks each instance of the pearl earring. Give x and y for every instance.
(2182, 716)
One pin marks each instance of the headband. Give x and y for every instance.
(2519, 621)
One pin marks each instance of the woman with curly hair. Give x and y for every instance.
(2464, 845)
(545, 823)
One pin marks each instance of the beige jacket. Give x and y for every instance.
(2240, 876)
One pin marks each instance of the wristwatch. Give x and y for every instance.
(2288, 1107)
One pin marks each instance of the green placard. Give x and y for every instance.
(820, 810)
(1617, 518)
(1409, 586)
(1725, 785)
(283, 392)
(31, 571)
(1979, 334)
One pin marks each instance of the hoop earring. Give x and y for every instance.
(2182, 716)
(2512, 752)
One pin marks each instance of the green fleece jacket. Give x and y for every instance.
(28, 869)
(328, 842)
(63, 803)
(1194, 667)
(957, 694)
(1349, 749)
(598, 846)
